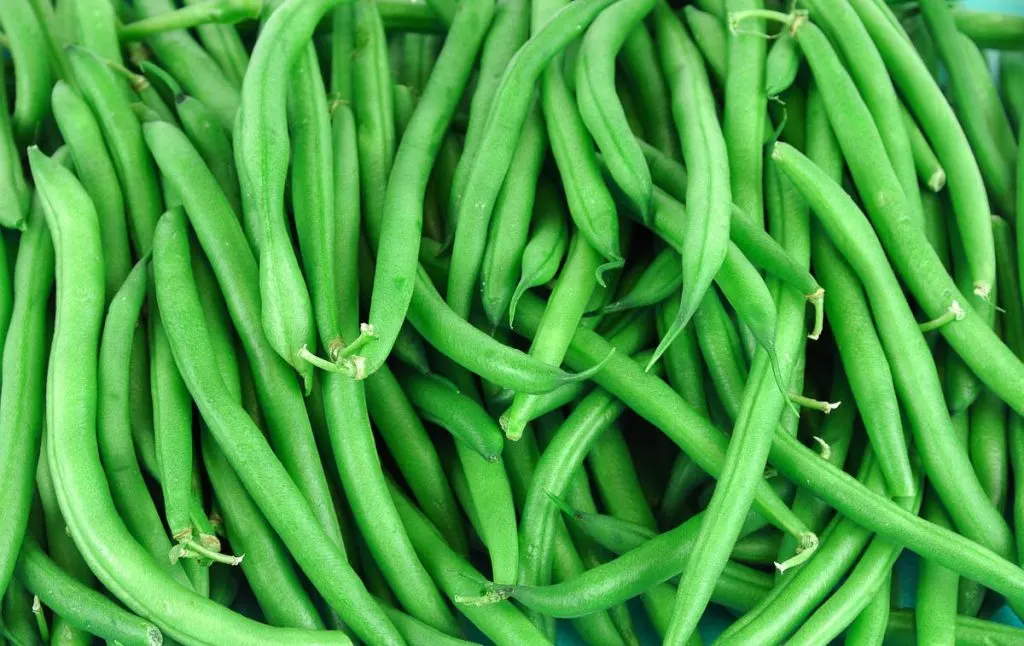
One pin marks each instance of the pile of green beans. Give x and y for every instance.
(475, 321)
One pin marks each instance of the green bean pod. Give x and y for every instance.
(546, 248)
(659, 280)
(119, 562)
(12, 179)
(95, 28)
(929, 169)
(401, 227)
(640, 63)
(440, 403)
(781, 65)
(710, 36)
(504, 127)
(704, 148)
(225, 46)
(600, 106)
(213, 143)
(33, 77)
(509, 233)
(927, 103)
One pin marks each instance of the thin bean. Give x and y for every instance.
(224, 45)
(640, 63)
(990, 29)
(440, 403)
(504, 126)
(968, 631)
(711, 38)
(12, 179)
(401, 228)
(33, 77)
(929, 170)
(119, 562)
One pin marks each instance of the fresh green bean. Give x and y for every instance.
(916, 261)
(935, 612)
(213, 143)
(781, 65)
(591, 205)
(640, 63)
(546, 248)
(990, 29)
(221, 237)
(188, 62)
(12, 179)
(599, 104)
(704, 148)
(224, 45)
(33, 77)
(119, 562)
(511, 105)
(401, 228)
(508, 235)
(95, 28)
(440, 403)
(711, 38)
(927, 103)
(929, 170)
(659, 280)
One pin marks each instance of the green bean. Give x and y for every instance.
(546, 248)
(704, 149)
(868, 628)
(373, 105)
(796, 596)
(401, 229)
(640, 63)
(720, 345)
(990, 29)
(511, 105)
(1010, 294)
(213, 144)
(599, 104)
(192, 65)
(33, 77)
(935, 613)
(927, 103)
(123, 135)
(868, 71)
(440, 403)
(23, 376)
(127, 487)
(668, 175)
(711, 38)
(977, 102)
(221, 237)
(95, 28)
(502, 622)
(342, 49)
(836, 433)
(399, 15)
(968, 631)
(590, 202)
(267, 567)
(509, 31)
(262, 161)
(914, 371)
(119, 562)
(929, 170)
(12, 179)
(508, 235)
(261, 472)
(781, 65)
(614, 534)
(987, 443)
(655, 401)
(659, 280)
(224, 45)
(865, 363)
(861, 590)
(745, 101)
(211, 11)
(918, 264)
(96, 171)
(408, 442)
(81, 606)
(17, 611)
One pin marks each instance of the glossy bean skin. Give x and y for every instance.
(96, 171)
(79, 478)
(599, 103)
(123, 135)
(869, 626)
(221, 237)
(869, 73)
(12, 178)
(928, 105)
(190, 63)
(546, 248)
(213, 143)
(23, 376)
(704, 149)
(263, 475)
(640, 63)
(401, 228)
(509, 30)
(503, 622)
(591, 205)
(929, 169)
(672, 415)
(504, 126)
(261, 156)
(441, 404)
(509, 233)
(32, 74)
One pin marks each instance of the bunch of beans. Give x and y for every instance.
(497, 321)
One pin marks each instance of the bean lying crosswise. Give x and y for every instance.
(445, 322)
